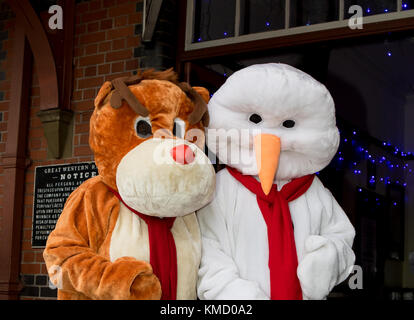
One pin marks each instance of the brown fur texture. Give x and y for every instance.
(112, 132)
(78, 249)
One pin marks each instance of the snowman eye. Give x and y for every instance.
(255, 118)
(289, 124)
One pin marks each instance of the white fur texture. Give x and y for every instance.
(235, 255)
(130, 239)
(319, 270)
(276, 92)
(151, 182)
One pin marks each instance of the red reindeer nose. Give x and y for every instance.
(182, 154)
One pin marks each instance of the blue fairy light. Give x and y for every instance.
(373, 158)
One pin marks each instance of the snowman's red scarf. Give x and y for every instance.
(283, 260)
(163, 254)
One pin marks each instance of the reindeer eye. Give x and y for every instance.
(144, 128)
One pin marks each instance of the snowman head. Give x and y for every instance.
(274, 121)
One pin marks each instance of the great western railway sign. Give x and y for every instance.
(53, 185)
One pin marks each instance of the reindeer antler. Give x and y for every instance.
(122, 92)
(200, 107)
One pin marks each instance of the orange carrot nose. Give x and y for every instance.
(267, 148)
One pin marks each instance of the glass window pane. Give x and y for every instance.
(261, 15)
(371, 7)
(308, 12)
(214, 19)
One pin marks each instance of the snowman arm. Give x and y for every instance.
(328, 257)
(219, 277)
(337, 228)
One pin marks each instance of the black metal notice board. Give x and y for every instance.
(53, 185)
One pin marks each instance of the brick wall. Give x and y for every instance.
(107, 35)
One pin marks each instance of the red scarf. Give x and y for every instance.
(283, 260)
(163, 254)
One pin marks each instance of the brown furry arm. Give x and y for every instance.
(72, 251)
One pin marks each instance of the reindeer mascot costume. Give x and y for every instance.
(131, 232)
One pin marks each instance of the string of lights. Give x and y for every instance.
(388, 159)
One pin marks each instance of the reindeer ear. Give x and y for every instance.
(103, 93)
(203, 92)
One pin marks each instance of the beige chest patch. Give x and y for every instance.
(130, 239)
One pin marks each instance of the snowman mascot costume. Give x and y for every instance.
(273, 231)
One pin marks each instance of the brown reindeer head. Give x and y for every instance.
(147, 133)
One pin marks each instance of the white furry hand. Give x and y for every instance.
(318, 271)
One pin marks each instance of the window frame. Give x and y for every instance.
(339, 29)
